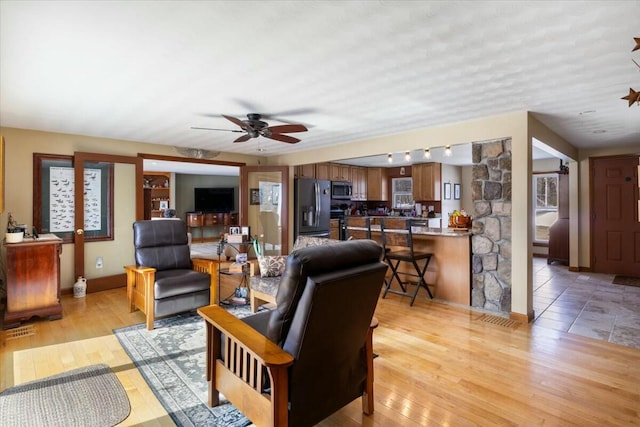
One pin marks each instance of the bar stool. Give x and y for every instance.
(397, 241)
(357, 227)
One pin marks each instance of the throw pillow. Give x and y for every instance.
(306, 241)
(272, 266)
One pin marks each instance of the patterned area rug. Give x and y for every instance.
(89, 396)
(171, 359)
(627, 281)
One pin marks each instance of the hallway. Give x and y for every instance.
(586, 304)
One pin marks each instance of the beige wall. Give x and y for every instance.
(20, 145)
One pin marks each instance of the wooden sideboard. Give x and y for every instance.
(200, 220)
(33, 280)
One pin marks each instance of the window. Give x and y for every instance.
(545, 190)
(402, 193)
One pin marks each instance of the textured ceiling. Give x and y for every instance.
(148, 71)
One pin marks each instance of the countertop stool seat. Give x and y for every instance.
(397, 241)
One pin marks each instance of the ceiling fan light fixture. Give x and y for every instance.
(447, 151)
(427, 153)
(196, 153)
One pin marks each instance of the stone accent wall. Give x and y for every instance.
(491, 242)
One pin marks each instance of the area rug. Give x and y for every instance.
(88, 396)
(171, 358)
(627, 281)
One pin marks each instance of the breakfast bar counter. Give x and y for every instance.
(449, 271)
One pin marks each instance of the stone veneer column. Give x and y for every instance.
(491, 242)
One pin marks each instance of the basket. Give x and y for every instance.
(460, 221)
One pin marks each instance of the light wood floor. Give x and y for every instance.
(437, 365)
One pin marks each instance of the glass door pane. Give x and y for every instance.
(266, 207)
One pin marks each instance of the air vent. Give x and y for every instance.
(23, 331)
(500, 321)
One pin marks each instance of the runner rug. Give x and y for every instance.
(88, 396)
(171, 358)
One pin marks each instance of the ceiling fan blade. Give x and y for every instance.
(239, 122)
(226, 130)
(287, 128)
(243, 138)
(282, 138)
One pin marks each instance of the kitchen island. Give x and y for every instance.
(449, 271)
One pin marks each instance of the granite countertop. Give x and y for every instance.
(426, 231)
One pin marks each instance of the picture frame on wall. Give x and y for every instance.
(254, 196)
(447, 191)
(456, 191)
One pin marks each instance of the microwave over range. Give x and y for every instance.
(341, 190)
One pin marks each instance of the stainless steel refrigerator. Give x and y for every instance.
(312, 203)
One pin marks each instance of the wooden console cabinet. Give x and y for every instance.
(33, 280)
(202, 220)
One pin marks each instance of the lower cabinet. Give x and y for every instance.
(33, 280)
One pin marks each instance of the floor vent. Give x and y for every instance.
(22, 331)
(500, 321)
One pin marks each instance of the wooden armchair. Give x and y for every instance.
(312, 354)
(165, 280)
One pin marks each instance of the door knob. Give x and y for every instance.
(79, 231)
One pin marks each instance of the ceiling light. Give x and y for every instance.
(390, 158)
(427, 153)
(447, 151)
(407, 156)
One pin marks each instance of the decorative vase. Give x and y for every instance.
(80, 287)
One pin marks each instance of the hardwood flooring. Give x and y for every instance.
(438, 365)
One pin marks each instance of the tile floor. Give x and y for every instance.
(586, 304)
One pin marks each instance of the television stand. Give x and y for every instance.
(202, 220)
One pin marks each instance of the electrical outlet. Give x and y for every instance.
(99, 262)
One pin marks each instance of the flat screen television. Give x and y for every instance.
(214, 199)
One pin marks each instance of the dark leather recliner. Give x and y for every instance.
(311, 355)
(165, 280)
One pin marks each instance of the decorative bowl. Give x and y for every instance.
(14, 237)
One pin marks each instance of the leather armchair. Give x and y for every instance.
(311, 355)
(165, 280)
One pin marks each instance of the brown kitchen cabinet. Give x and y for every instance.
(33, 280)
(305, 171)
(358, 183)
(426, 181)
(323, 171)
(334, 229)
(377, 184)
(339, 172)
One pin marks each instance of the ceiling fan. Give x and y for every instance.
(254, 127)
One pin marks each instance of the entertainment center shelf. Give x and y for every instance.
(202, 220)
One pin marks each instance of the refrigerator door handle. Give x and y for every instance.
(318, 205)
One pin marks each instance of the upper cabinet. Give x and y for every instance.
(305, 171)
(339, 172)
(426, 181)
(358, 183)
(322, 171)
(377, 184)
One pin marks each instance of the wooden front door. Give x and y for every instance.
(615, 227)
